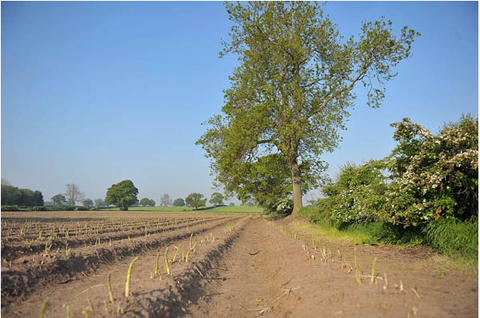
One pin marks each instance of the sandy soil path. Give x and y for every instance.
(281, 279)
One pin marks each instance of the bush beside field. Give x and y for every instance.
(424, 193)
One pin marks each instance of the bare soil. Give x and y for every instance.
(239, 266)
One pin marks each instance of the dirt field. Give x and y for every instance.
(238, 266)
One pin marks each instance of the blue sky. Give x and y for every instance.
(97, 92)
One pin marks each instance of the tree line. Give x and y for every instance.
(21, 197)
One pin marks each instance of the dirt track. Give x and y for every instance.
(260, 268)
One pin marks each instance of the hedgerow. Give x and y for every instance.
(428, 183)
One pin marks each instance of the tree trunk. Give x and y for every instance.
(297, 188)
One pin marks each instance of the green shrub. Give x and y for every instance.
(434, 176)
(68, 208)
(357, 196)
(81, 208)
(39, 208)
(9, 208)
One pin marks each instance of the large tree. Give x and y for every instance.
(295, 84)
(122, 195)
(73, 194)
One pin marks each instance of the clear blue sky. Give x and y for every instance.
(97, 92)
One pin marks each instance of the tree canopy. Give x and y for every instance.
(294, 86)
(179, 202)
(217, 198)
(59, 200)
(195, 200)
(23, 197)
(146, 202)
(122, 194)
(88, 203)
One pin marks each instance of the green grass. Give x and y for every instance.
(220, 209)
(457, 240)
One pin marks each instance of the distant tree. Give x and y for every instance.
(23, 197)
(232, 204)
(99, 203)
(26, 198)
(122, 195)
(195, 200)
(88, 203)
(59, 200)
(11, 195)
(165, 200)
(6, 182)
(144, 202)
(73, 194)
(179, 202)
(217, 198)
(152, 202)
(38, 198)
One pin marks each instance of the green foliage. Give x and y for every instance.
(195, 200)
(22, 197)
(9, 207)
(68, 208)
(432, 196)
(294, 87)
(231, 204)
(268, 179)
(88, 203)
(59, 200)
(179, 202)
(122, 195)
(433, 176)
(39, 208)
(357, 195)
(453, 238)
(99, 203)
(217, 198)
(146, 202)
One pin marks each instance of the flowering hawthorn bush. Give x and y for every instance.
(358, 194)
(432, 176)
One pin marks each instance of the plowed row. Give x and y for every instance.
(237, 266)
(93, 242)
